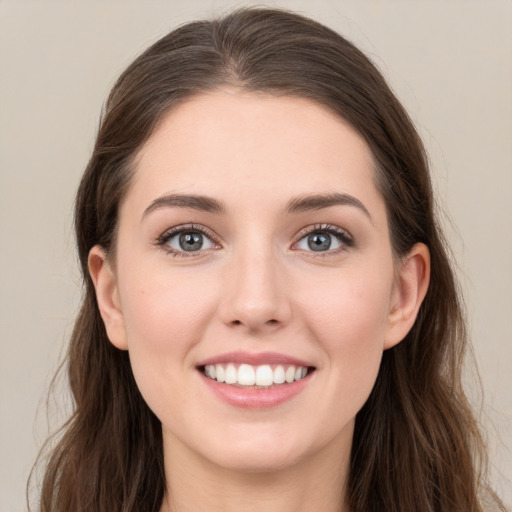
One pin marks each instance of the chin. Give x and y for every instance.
(264, 454)
(257, 461)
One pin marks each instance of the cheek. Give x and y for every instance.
(164, 320)
(350, 308)
(348, 318)
(162, 311)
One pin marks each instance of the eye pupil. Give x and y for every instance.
(319, 242)
(191, 241)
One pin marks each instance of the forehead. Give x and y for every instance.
(236, 145)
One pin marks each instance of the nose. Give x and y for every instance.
(255, 293)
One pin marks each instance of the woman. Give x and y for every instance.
(270, 318)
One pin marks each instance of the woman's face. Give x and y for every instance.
(253, 248)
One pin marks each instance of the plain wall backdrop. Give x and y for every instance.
(450, 62)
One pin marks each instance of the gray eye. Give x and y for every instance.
(319, 241)
(189, 241)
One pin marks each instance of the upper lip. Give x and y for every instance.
(254, 359)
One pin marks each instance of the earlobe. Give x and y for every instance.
(412, 280)
(105, 284)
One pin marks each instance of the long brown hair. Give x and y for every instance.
(416, 444)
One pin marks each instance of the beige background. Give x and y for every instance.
(449, 61)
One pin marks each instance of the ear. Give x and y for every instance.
(411, 285)
(107, 295)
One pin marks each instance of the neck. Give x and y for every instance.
(317, 482)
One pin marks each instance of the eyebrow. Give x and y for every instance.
(313, 202)
(303, 203)
(194, 202)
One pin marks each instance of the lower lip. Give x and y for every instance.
(250, 398)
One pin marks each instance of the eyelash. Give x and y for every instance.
(341, 235)
(346, 240)
(164, 238)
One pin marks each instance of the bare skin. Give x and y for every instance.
(253, 232)
(297, 488)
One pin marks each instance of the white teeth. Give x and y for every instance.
(290, 374)
(221, 374)
(231, 374)
(264, 376)
(248, 375)
(279, 375)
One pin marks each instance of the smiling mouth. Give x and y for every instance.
(255, 377)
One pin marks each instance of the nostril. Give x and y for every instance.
(272, 321)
